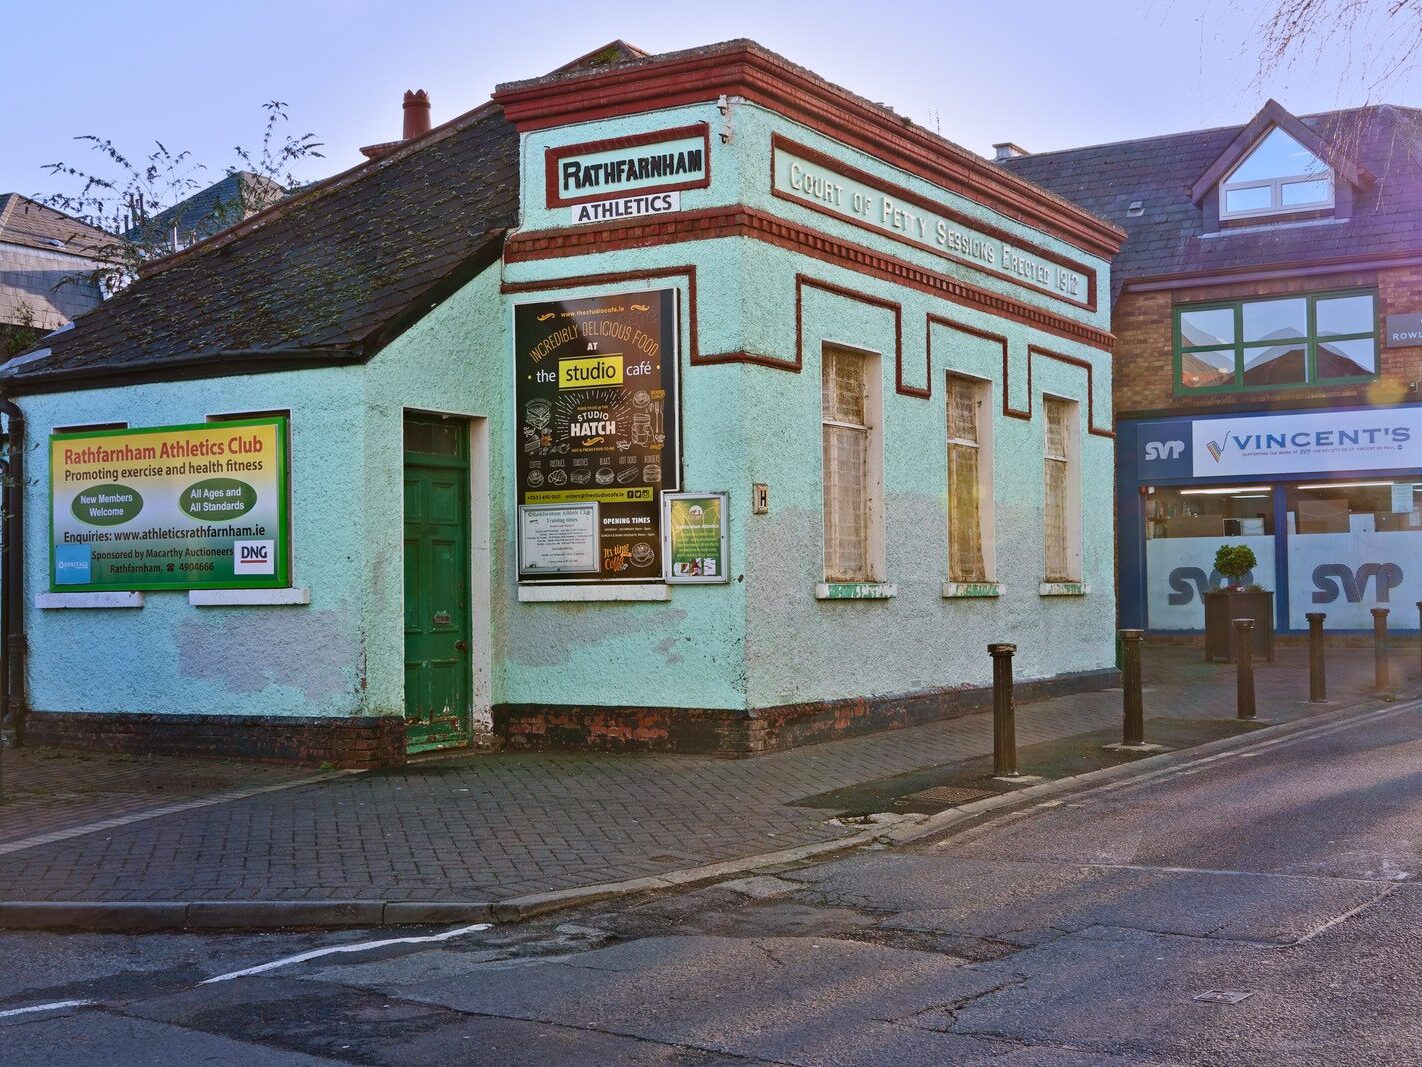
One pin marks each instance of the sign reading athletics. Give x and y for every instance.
(595, 423)
(170, 507)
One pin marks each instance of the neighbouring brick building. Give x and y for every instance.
(1268, 321)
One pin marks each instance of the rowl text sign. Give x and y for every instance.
(625, 168)
(805, 176)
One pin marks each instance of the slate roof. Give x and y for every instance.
(328, 275)
(25, 222)
(1166, 239)
(238, 196)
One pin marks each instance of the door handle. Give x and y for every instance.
(461, 646)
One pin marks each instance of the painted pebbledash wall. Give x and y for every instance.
(754, 316)
(764, 426)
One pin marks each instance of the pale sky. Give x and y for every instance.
(1044, 74)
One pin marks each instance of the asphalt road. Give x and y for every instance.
(1082, 930)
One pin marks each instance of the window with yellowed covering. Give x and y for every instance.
(967, 475)
(851, 470)
(1061, 518)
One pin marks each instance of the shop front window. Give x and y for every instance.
(1283, 342)
(1214, 511)
(1365, 507)
(1185, 527)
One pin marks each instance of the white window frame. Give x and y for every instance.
(1073, 521)
(874, 560)
(1276, 187)
(984, 445)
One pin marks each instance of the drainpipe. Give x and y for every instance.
(12, 572)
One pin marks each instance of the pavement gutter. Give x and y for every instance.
(270, 914)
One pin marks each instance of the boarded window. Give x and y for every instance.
(1060, 514)
(847, 438)
(965, 481)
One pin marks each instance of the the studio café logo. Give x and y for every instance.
(254, 557)
(1309, 440)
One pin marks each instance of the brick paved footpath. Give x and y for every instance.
(493, 826)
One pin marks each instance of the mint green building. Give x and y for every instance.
(683, 402)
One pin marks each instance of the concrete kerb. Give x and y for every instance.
(268, 914)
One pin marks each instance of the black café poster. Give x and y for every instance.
(596, 423)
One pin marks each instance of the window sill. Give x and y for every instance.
(52, 601)
(855, 591)
(592, 593)
(1063, 589)
(221, 598)
(955, 590)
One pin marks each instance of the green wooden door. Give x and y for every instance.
(437, 658)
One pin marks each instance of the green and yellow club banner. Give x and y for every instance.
(170, 507)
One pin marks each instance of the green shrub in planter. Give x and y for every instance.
(1234, 562)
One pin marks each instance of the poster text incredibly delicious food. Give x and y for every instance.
(169, 507)
(596, 423)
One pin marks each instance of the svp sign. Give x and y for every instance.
(1307, 443)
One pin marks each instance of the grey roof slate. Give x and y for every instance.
(223, 203)
(1167, 238)
(334, 269)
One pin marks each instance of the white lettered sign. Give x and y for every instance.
(835, 188)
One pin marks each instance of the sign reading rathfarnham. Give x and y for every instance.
(635, 169)
(596, 434)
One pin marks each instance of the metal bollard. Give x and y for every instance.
(1244, 667)
(1419, 631)
(1132, 707)
(1380, 673)
(1317, 678)
(1004, 729)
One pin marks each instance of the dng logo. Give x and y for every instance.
(1164, 449)
(1331, 579)
(254, 557)
(1188, 583)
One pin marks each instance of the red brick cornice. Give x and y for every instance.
(758, 225)
(745, 70)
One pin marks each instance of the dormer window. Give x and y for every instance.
(1278, 176)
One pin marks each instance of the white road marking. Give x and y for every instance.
(360, 946)
(55, 1005)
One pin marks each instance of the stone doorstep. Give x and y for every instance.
(154, 915)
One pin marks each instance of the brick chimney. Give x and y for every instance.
(417, 124)
(417, 113)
